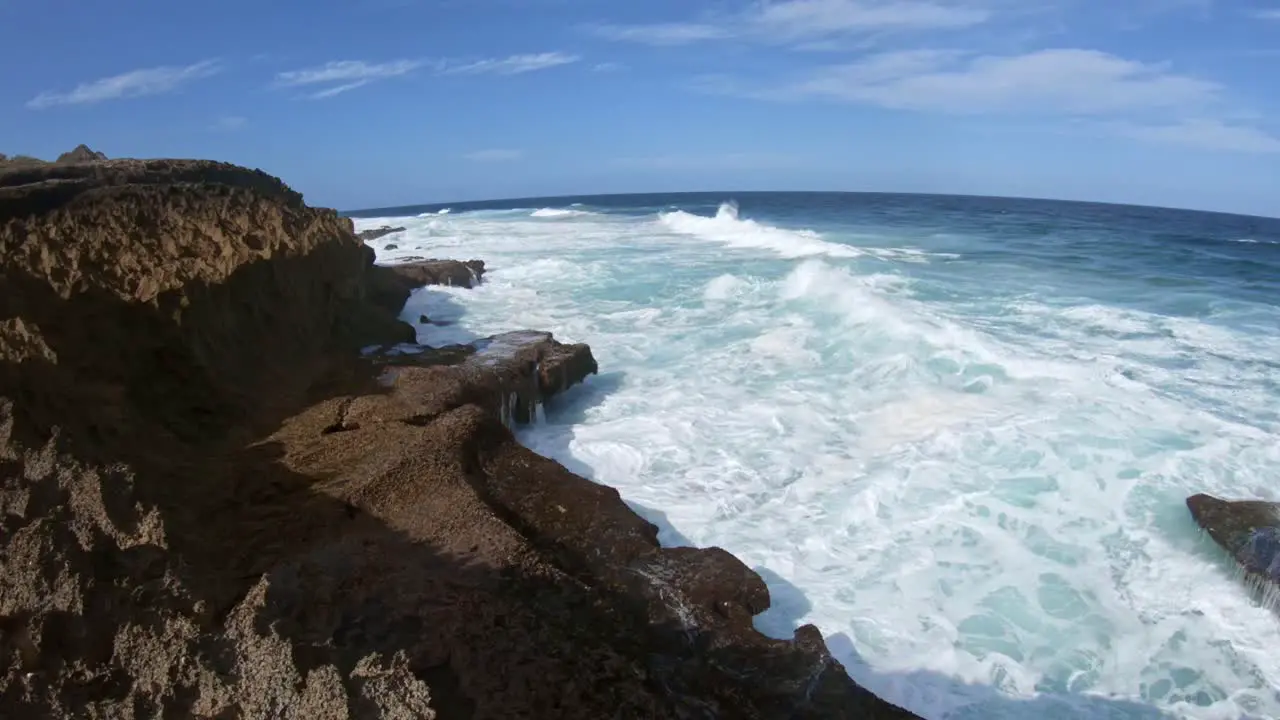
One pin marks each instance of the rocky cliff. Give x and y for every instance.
(211, 505)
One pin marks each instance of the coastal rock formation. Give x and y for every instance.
(375, 233)
(212, 506)
(1249, 530)
(392, 284)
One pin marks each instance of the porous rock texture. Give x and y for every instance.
(211, 506)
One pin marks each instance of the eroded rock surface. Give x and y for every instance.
(212, 506)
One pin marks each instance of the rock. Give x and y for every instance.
(212, 506)
(391, 285)
(376, 233)
(424, 320)
(81, 154)
(391, 246)
(1249, 530)
(18, 161)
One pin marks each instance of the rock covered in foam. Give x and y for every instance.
(1247, 529)
(511, 375)
(375, 233)
(391, 285)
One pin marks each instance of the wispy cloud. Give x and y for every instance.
(606, 67)
(227, 123)
(808, 18)
(1118, 95)
(343, 76)
(495, 155)
(803, 20)
(661, 33)
(136, 83)
(1204, 134)
(1267, 14)
(513, 65)
(1056, 81)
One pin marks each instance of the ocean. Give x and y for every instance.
(954, 433)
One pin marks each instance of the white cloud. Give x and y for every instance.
(1058, 81)
(136, 83)
(800, 20)
(495, 155)
(1204, 134)
(662, 33)
(1267, 14)
(1117, 95)
(338, 89)
(345, 75)
(513, 65)
(346, 72)
(227, 123)
(809, 18)
(606, 67)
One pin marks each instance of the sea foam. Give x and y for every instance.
(971, 483)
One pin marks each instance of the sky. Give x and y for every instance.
(377, 103)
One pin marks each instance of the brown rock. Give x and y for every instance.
(375, 233)
(210, 506)
(1249, 530)
(391, 285)
(81, 154)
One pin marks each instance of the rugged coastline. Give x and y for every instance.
(223, 497)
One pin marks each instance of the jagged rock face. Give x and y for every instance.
(211, 507)
(169, 285)
(1247, 529)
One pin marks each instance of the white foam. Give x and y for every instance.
(981, 507)
(558, 213)
(728, 229)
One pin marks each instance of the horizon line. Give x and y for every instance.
(731, 194)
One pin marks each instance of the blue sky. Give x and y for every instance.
(361, 103)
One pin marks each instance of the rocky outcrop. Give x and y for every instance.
(375, 233)
(212, 506)
(81, 154)
(392, 284)
(1249, 530)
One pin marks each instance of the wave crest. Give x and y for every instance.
(558, 213)
(729, 229)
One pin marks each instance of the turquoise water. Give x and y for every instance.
(954, 433)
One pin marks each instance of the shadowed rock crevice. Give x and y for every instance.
(212, 506)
